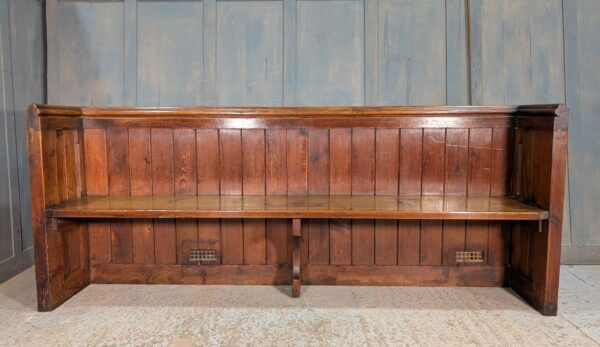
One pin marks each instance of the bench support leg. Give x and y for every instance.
(296, 281)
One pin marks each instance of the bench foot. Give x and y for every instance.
(296, 281)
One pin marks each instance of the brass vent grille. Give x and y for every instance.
(469, 257)
(203, 255)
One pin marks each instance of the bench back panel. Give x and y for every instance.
(143, 161)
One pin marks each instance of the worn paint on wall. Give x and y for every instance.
(342, 52)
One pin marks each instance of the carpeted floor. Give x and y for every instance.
(264, 315)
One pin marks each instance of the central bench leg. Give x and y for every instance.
(296, 281)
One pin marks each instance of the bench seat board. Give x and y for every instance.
(355, 207)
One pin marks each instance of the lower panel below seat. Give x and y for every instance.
(480, 276)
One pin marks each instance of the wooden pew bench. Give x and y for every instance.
(427, 196)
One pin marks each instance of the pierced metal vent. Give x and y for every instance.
(469, 257)
(203, 255)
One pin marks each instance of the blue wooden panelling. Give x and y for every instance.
(250, 53)
(330, 53)
(90, 48)
(582, 53)
(412, 52)
(169, 51)
(341, 52)
(21, 82)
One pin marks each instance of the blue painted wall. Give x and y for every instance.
(21, 82)
(344, 52)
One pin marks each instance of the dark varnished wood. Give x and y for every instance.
(388, 196)
(303, 206)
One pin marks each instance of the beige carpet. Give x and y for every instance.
(264, 315)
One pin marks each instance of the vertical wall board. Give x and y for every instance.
(412, 52)
(9, 209)
(250, 53)
(169, 53)
(90, 48)
(330, 48)
(27, 53)
(582, 49)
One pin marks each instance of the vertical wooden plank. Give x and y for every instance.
(409, 238)
(501, 157)
(498, 233)
(479, 183)
(118, 185)
(249, 53)
(277, 241)
(387, 147)
(185, 165)
(96, 172)
(410, 171)
(434, 144)
(480, 161)
(209, 236)
(387, 158)
(140, 176)
(100, 242)
(230, 161)
(232, 242)
(363, 242)
(253, 168)
(50, 166)
(276, 161)
(121, 241)
(318, 161)
(187, 238)
(207, 152)
(253, 161)
(431, 242)
(330, 72)
(276, 184)
(411, 163)
(255, 252)
(363, 183)
(457, 144)
(433, 161)
(318, 241)
(340, 169)
(297, 166)
(169, 51)
(340, 141)
(184, 150)
(386, 242)
(318, 184)
(340, 238)
(72, 160)
(118, 161)
(61, 166)
(165, 245)
(363, 161)
(457, 159)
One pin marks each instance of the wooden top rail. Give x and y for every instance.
(357, 207)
